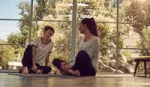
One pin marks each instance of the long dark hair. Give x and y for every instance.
(91, 24)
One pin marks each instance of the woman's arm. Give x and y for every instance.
(33, 58)
(93, 52)
(71, 72)
(76, 72)
(47, 59)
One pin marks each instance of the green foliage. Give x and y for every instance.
(17, 39)
(137, 13)
(2, 41)
(127, 54)
(105, 39)
(146, 33)
(7, 55)
(44, 7)
(24, 24)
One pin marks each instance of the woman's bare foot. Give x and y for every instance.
(25, 70)
(20, 69)
(39, 71)
(55, 72)
(77, 73)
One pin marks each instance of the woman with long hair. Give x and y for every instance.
(87, 57)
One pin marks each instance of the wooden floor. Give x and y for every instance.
(101, 80)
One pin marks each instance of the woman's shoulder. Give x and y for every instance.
(37, 38)
(95, 38)
(51, 41)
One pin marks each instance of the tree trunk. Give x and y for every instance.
(109, 65)
(106, 68)
(144, 42)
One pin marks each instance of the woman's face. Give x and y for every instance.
(49, 33)
(82, 28)
(65, 66)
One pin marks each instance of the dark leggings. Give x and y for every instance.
(83, 63)
(27, 61)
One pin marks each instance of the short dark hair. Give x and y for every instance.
(49, 28)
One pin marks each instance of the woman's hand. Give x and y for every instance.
(65, 66)
(34, 68)
(77, 73)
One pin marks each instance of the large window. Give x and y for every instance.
(22, 20)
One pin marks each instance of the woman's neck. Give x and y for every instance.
(88, 36)
(45, 39)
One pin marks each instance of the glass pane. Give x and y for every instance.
(10, 57)
(101, 10)
(7, 28)
(107, 38)
(131, 47)
(134, 11)
(13, 33)
(10, 9)
(52, 10)
(135, 25)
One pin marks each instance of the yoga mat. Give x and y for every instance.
(39, 75)
(35, 75)
(52, 75)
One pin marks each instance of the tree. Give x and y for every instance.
(7, 55)
(24, 24)
(137, 12)
(16, 39)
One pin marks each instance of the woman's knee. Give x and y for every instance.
(82, 52)
(83, 56)
(46, 70)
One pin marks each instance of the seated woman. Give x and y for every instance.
(87, 57)
(38, 53)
